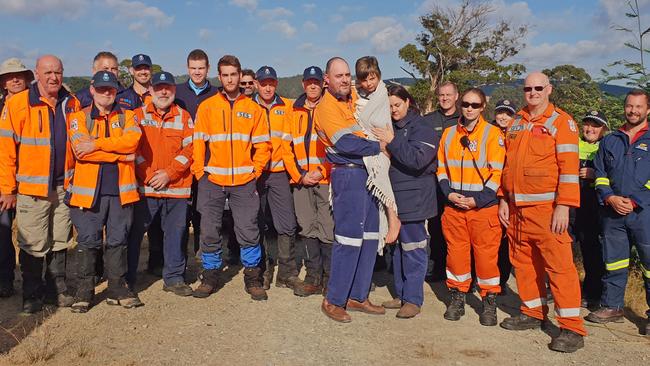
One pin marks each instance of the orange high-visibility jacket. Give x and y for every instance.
(237, 140)
(542, 160)
(302, 133)
(26, 142)
(276, 118)
(166, 143)
(124, 135)
(456, 169)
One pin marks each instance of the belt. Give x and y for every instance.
(348, 165)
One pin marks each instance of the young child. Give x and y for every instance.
(372, 109)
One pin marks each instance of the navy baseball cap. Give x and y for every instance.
(597, 117)
(312, 72)
(266, 72)
(506, 105)
(162, 77)
(140, 59)
(105, 79)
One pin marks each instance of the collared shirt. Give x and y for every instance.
(639, 133)
(198, 89)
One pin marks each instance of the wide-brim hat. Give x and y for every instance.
(13, 65)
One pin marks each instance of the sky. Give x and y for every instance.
(292, 35)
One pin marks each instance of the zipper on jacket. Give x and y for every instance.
(232, 147)
(40, 121)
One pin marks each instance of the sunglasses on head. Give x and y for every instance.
(244, 83)
(539, 88)
(473, 105)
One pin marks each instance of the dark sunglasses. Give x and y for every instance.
(244, 83)
(539, 88)
(473, 105)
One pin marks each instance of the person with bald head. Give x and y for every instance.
(355, 210)
(35, 167)
(540, 182)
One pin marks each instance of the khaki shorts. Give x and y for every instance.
(314, 212)
(43, 223)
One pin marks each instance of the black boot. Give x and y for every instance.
(253, 283)
(568, 341)
(521, 322)
(32, 271)
(56, 290)
(118, 293)
(86, 276)
(489, 315)
(456, 307)
(287, 272)
(209, 281)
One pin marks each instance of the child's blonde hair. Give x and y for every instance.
(365, 66)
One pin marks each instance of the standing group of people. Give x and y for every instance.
(351, 171)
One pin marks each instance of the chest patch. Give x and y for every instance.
(244, 115)
(115, 124)
(642, 146)
(278, 112)
(473, 146)
(148, 122)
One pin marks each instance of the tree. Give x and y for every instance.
(124, 76)
(77, 83)
(635, 73)
(460, 45)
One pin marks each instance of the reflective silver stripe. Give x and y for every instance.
(483, 149)
(139, 160)
(82, 191)
(533, 197)
(344, 131)
(187, 141)
(275, 164)
(371, 236)
(615, 266)
(226, 137)
(602, 181)
(173, 125)
(76, 136)
(133, 129)
(201, 136)
(459, 278)
(7, 133)
(646, 272)
(427, 144)
(128, 187)
(39, 179)
(494, 281)
(286, 137)
(226, 171)
(475, 187)
(496, 164)
(568, 312)
(450, 136)
(182, 159)
(299, 140)
(407, 247)
(344, 240)
(562, 148)
(569, 178)
(261, 138)
(303, 162)
(169, 191)
(534, 303)
(34, 141)
(492, 185)
(442, 176)
(314, 137)
(69, 173)
(277, 134)
(549, 123)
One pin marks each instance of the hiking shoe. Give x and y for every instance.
(395, 303)
(568, 341)
(253, 283)
(80, 307)
(6, 289)
(408, 311)
(307, 289)
(208, 286)
(32, 305)
(290, 282)
(489, 315)
(521, 322)
(179, 288)
(456, 307)
(127, 300)
(605, 315)
(61, 300)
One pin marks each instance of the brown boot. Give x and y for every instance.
(307, 289)
(408, 310)
(291, 282)
(605, 315)
(253, 283)
(334, 312)
(208, 286)
(395, 303)
(365, 307)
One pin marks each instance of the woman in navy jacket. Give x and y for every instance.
(412, 145)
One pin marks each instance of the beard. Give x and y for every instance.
(162, 102)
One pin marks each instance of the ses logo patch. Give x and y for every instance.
(244, 115)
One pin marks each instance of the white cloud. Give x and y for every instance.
(141, 15)
(281, 26)
(249, 5)
(205, 34)
(309, 7)
(66, 9)
(274, 13)
(336, 18)
(384, 33)
(307, 47)
(310, 26)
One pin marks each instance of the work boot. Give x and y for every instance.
(408, 311)
(647, 327)
(209, 281)
(568, 341)
(395, 303)
(605, 315)
(364, 307)
(287, 269)
(117, 292)
(6, 288)
(311, 286)
(253, 283)
(56, 290)
(32, 270)
(489, 315)
(291, 282)
(179, 289)
(334, 312)
(521, 322)
(456, 307)
(86, 267)
(267, 277)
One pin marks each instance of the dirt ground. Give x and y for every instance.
(230, 329)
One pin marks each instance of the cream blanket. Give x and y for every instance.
(374, 111)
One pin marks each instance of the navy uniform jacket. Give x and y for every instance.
(623, 169)
(187, 99)
(412, 171)
(439, 122)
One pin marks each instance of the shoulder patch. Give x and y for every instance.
(572, 126)
(74, 124)
(115, 124)
(190, 123)
(501, 143)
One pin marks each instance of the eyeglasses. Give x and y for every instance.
(473, 105)
(539, 88)
(244, 83)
